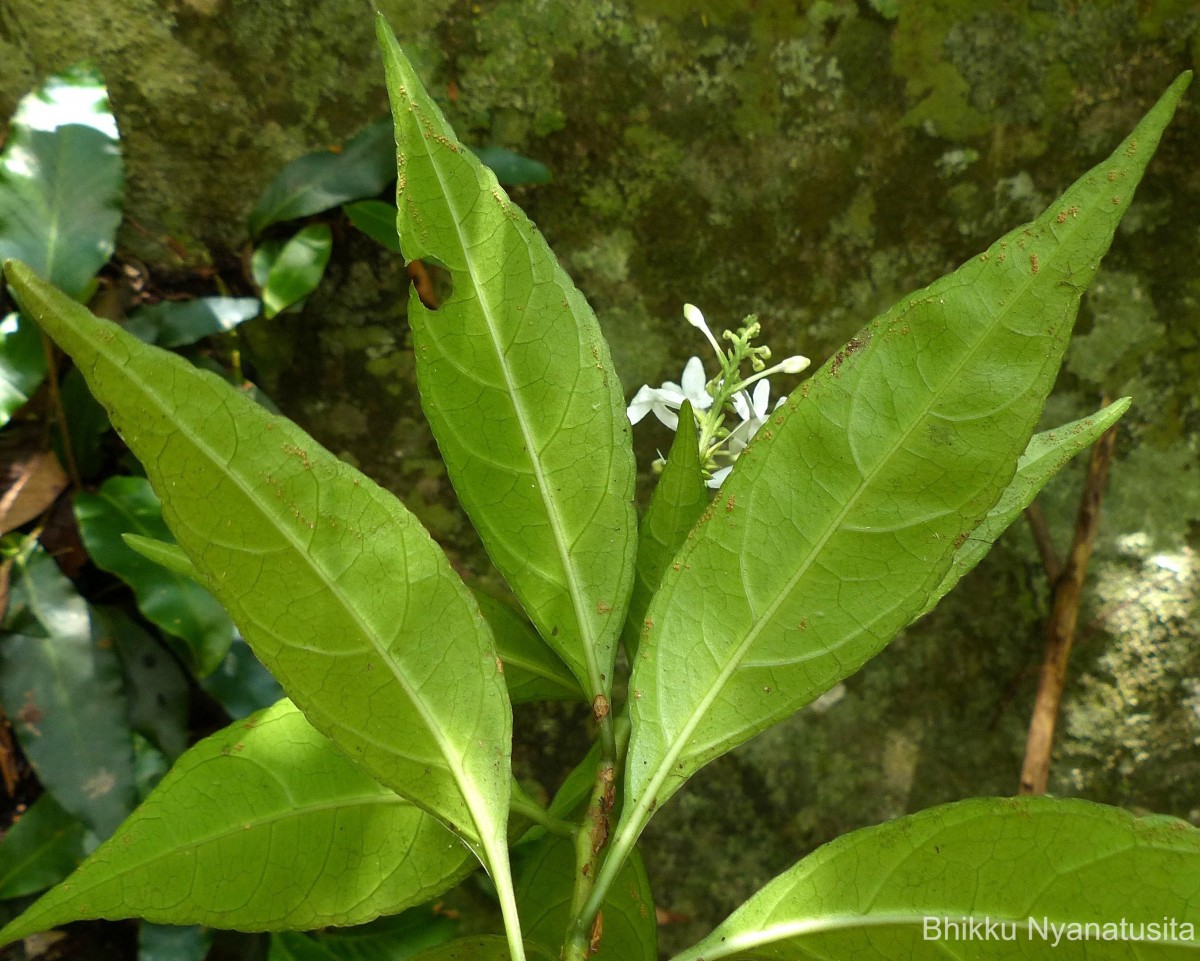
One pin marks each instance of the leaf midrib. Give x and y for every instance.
(587, 633)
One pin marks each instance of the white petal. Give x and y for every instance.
(666, 415)
(642, 401)
(693, 384)
(741, 403)
(762, 395)
(718, 477)
(692, 315)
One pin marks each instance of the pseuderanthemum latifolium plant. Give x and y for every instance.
(838, 518)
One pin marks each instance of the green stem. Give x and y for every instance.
(529, 808)
(502, 877)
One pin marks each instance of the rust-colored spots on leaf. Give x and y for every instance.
(1034, 266)
(648, 623)
(600, 707)
(959, 540)
(729, 504)
(1061, 218)
(603, 607)
(803, 625)
(1116, 201)
(1132, 148)
(854, 344)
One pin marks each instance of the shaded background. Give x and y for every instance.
(808, 162)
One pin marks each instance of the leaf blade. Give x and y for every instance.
(276, 548)
(867, 893)
(551, 494)
(1047, 453)
(860, 488)
(261, 826)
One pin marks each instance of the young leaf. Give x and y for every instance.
(517, 383)
(377, 220)
(22, 363)
(297, 269)
(544, 886)
(177, 604)
(1047, 454)
(264, 826)
(333, 583)
(178, 323)
(40, 849)
(532, 671)
(1025, 861)
(65, 696)
(677, 503)
(61, 181)
(843, 516)
(323, 180)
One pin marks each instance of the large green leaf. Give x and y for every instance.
(1047, 454)
(377, 220)
(61, 181)
(517, 383)
(544, 887)
(532, 671)
(40, 849)
(842, 518)
(22, 363)
(322, 180)
(177, 604)
(333, 583)
(65, 696)
(1023, 863)
(264, 826)
(678, 501)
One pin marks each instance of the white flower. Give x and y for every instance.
(666, 400)
(753, 411)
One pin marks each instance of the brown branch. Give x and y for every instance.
(1044, 542)
(1064, 615)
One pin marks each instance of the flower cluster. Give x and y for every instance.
(727, 393)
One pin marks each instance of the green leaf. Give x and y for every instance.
(297, 269)
(65, 696)
(377, 220)
(518, 386)
(387, 939)
(177, 604)
(299, 547)
(512, 169)
(479, 948)
(678, 501)
(323, 180)
(842, 517)
(532, 671)
(61, 181)
(178, 323)
(544, 888)
(262, 827)
(163, 942)
(1047, 454)
(1025, 861)
(22, 364)
(40, 849)
(155, 684)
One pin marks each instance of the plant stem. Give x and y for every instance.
(539, 816)
(60, 412)
(1064, 615)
